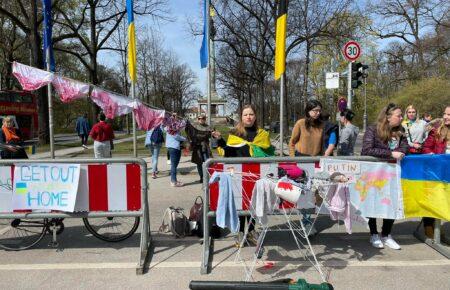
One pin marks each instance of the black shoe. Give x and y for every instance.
(201, 180)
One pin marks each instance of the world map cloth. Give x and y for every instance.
(375, 189)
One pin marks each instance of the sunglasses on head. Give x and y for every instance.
(390, 107)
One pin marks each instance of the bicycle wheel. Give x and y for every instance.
(21, 234)
(112, 229)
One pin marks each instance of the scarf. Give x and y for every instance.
(259, 147)
(10, 134)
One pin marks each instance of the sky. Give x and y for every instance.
(178, 38)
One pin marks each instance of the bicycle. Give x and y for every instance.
(21, 234)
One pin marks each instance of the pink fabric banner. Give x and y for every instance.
(173, 124)
(31, 78)
(113, 105)
(70, 90)
(147, 118)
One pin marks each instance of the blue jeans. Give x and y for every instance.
(175, 155)
(154, 151)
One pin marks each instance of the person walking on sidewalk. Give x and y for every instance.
(82, 127)
(103, 135)
(198, 135)
(173, 144)
(154, 139)
(348, 135)
(386, 139)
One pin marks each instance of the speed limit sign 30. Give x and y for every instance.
(351, 50)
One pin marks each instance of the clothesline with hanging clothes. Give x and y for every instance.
(113, 104)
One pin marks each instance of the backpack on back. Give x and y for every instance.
(157, 135)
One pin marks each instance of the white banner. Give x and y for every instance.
(46, 186)
(6, 189)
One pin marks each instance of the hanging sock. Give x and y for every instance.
(113, 105)
(70, 90)
(147, 118)
(31, 78)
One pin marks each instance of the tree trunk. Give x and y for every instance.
(37, 57)
(93, 70)
(306, 74)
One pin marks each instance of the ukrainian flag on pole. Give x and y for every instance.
(280, 39)
(131, 42)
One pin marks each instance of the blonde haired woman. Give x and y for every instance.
(415, 130)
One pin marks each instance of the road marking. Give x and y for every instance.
(226, 264)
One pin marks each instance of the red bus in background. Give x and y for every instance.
(23, 106)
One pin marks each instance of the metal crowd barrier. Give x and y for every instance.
(142, 212)
(208, 212)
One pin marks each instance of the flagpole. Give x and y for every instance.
(50, 107)
(134, 122)
(281, 113)
(208, 69)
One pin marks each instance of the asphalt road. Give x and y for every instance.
(349, 262)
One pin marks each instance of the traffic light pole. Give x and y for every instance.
(349, 86)
(365, 105)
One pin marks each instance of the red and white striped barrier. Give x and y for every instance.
(243, 186)
(102, 187)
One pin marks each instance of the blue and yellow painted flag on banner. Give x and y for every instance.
(425, 183)
(131, 42)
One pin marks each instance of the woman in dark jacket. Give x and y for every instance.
(198, 136)
(385, 140)
(11, 141)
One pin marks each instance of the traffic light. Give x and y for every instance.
(358, 73)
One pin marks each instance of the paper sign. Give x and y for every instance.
(46, 186)
(6, 189)
(332, 80)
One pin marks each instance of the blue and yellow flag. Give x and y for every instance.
(131, 42)
(204, 49)
(425, 183)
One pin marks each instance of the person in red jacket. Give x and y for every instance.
(103, 134)
(385, 140)
(437, 142)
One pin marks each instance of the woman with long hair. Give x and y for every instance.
(246, 139)
(415, 130)
(386, 139)
(437, 142)
(307, 134)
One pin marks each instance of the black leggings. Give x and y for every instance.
(385, 230)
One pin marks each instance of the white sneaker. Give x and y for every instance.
(376, 241)
(168, 162)
(389, 241)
